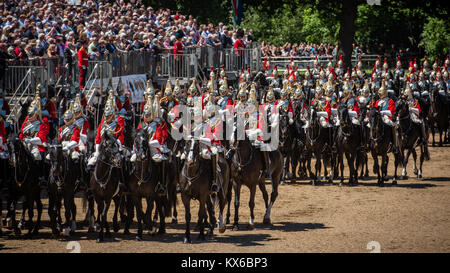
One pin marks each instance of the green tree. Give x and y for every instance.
(436, 37)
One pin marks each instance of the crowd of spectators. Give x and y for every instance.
(31, 29)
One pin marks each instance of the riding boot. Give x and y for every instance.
(265, 170)
(425, 141)
(161, 189)
(214, 186)
(333, 134)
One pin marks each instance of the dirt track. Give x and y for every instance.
(413, 216)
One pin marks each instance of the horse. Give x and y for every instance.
(286, 145)
(348, 142)
(25, 172)
(362, 160)
(62, 184)
(104, 183)
(195, 184)
(410, 137)
(318, 140)
(381, 139)
(143, 181)
(301, 155)
(246, 166)
(439, 114)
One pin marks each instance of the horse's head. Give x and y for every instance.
(374, 118)
(15, 147)
(141, 145)
(284, 125)
(401, 108)
(109, 150)
(57, 159)
(344, 117)
(193, 152)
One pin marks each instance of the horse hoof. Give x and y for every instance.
(251, 226)
(394, 182)
(138, 238)
(126, 232)
(174, 221)
(266, 221)
(161, 231)
(415, 172)
(108, 234)
(99, 240)
(201, 237)
(227, 221)
(341, 184)
(222, 229)
(187, 240)
(235, 227)
(419, 176)
(116, 229)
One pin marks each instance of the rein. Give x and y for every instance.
(107, 176)
(238, 163)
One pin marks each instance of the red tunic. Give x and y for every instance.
(117, 132)
(44, 129)
(51, 108)
(161, 132)
(389, 106)
(177, 49)
(323, 106)
(238, 46)
(83, 57)
(290, 110)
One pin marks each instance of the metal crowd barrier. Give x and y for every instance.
(179, 65)
(236, 60)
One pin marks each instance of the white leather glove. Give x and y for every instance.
(205, 141)
(97, 148)
(291, 121)
(83, 138)
(36, 141)
(154, 143)
(71, 145)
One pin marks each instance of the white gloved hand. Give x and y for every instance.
(97, 148)
(26, 140)
(154, 143)
(71, 145)
(205, 141)
(83, 138)
(36, 141)
(291, 121)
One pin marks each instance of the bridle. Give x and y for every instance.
(102, 182)
(141, 179)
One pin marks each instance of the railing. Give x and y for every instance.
(179, 65)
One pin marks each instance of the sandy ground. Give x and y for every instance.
(413, 216)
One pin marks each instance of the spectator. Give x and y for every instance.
(83, 63)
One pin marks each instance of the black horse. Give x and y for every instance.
(286, 144)
(62, 184)
(439, 114)
(104, 183)
(25, 172)
(410, 137)
(301, 155)
(318, 140)
(381, 139)
(143, 181)
(348, 142)
(195, 184)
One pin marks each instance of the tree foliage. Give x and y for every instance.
(436, 37)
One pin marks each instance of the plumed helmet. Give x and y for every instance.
(270, 95)
(224, 87)
(77, 104)
(193, 87)
(150, 89)
(156, 107)
(68, 115)
(168, 87)
(382, 91)
(35, 105)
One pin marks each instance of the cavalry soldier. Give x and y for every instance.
(34, 132)
(376, 84)
(322, 77)
(439, 84)
(340, 68)
(69, 134)
(422, 84)
(285, 104)
(330, 95)
(3, 147)
(426, 68)
(80, 121)
(385, 68)
(323, 106)
(399, 71)
(416, 111)
(210, 140)
(148, 93)
(274, 79)
(222, 75)
(316, 68)
(4, 111)
(387, 110)
(377, 67)
(48, 109)
(365, 98)
(352, 104)
(224, 100)
(360, 71)
(433, 70)
(168, 101)
(112, 123)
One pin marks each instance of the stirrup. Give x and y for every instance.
(214, 187)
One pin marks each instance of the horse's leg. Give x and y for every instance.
(52, 213)
(251, 204)
(91, 212)
(130, 214)
(414, 154)
(237, 194)
(229, 196)
(39, 211)
(162, 216)
(341, 166)
(212, 218)
(284, 171)
(139, 214)
(117, 204)
(67, 214)
(262, 187)
(12, 213)
(317, 171)
(422, 158)
(405, 163)
(187, 207)
(294, 164)
(350, 167)
(273, 196)
(440, 137)
(397, 160)
(100, 209)
(384, 166)
(202, 217)
(376, 168)
(105, 218)
(222, 203)
(30, 205)
(366, 163)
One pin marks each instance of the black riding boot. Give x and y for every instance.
(266, 167)
(395, 148)
(332, 139)
(161, 188)
(214, 185)
(43, 183)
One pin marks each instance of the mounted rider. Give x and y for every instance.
(387, 110)
(322, 106)
(112, 123)
(285, 104)
(69, 134)
(4, 111)
(34, 132)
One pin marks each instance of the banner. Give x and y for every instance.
(237, 11)
(135, 84)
